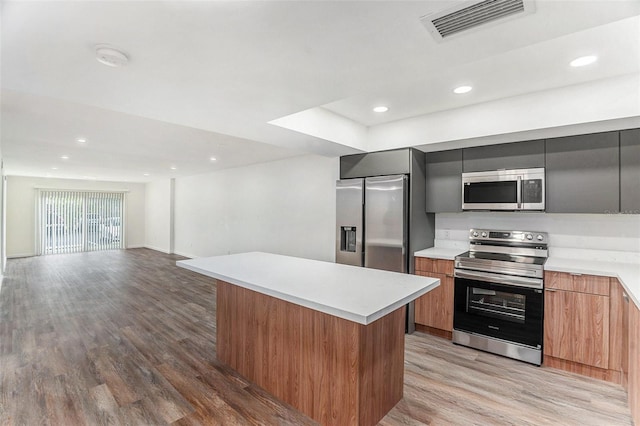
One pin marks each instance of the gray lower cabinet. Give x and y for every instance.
(444, 181)
(630, 171)
(516, 155)
(583, 174)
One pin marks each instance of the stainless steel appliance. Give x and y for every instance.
(498, 293)
(518, 189)
(372, 229)
(372, 222)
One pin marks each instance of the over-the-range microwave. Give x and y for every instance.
(517, 189)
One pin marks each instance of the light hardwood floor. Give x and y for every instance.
(126, 337)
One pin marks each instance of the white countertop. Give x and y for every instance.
(440, 253)
(362, 295)
(627, 273)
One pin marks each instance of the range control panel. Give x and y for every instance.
(489, 235)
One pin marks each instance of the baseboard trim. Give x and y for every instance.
(434, 331)
(20, 255)
(190, 256)
(583, 369)
(161, 250)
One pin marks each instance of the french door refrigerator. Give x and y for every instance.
(372, 222)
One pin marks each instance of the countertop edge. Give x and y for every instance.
(400, 303)
(439, 253)
(360, 319)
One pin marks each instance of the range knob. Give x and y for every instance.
(529, 237)
(484, 235)
(540, 237)
(475, 234)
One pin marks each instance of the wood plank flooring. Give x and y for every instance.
(126, 337)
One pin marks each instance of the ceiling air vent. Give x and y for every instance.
(469, 15)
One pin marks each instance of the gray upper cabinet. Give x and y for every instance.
(444, 181)
(517, 155)
(630, 171)
(583, 174)
(380, 163)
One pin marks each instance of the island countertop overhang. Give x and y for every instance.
(357, 294)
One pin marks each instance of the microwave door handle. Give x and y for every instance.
(519, 192)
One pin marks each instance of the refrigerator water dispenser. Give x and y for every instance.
(348, 238)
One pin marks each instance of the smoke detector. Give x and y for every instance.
(110, 56)
(468, 15)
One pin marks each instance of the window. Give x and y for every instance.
(76, 221)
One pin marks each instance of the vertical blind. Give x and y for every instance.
(76, 221)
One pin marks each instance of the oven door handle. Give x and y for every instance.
(500, 279)
(519, 192)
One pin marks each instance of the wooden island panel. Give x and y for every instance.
(336, 371)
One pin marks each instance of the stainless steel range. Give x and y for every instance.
(499, 293)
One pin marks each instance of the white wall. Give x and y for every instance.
(614, 237)
(21, 209)
(158, 219)
(285, 207)
(3, 249)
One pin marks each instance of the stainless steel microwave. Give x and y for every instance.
(517, 189)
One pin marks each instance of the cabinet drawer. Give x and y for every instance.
(439, 266)
(591, 284)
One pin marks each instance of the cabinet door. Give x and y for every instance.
(634, 362)
(626, 334)
(576, 327)
(516, 155)
(444, 181)
(583, 174)
(618, 332)
(435, 309)
(424, 264)
(630, 171)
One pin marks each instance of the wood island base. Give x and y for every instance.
(336, 371)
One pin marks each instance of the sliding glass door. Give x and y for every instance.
(76, 221)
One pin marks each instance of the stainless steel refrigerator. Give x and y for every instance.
(372, 222)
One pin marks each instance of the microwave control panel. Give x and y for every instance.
(532, 191)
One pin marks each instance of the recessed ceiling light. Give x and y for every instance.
(64, 157)
(173, 168)
(381, 108)
(583, 60)
(145, 174)
(110, 56)
(213, 159)
(462, 89)
(81, 140)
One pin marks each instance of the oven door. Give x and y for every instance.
(508, 312)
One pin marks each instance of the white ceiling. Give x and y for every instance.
(206, 78)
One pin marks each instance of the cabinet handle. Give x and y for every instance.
(625, 297)
(449, 275)
(575, 274)
(552, 290)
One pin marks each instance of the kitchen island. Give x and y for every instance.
(324, 337)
